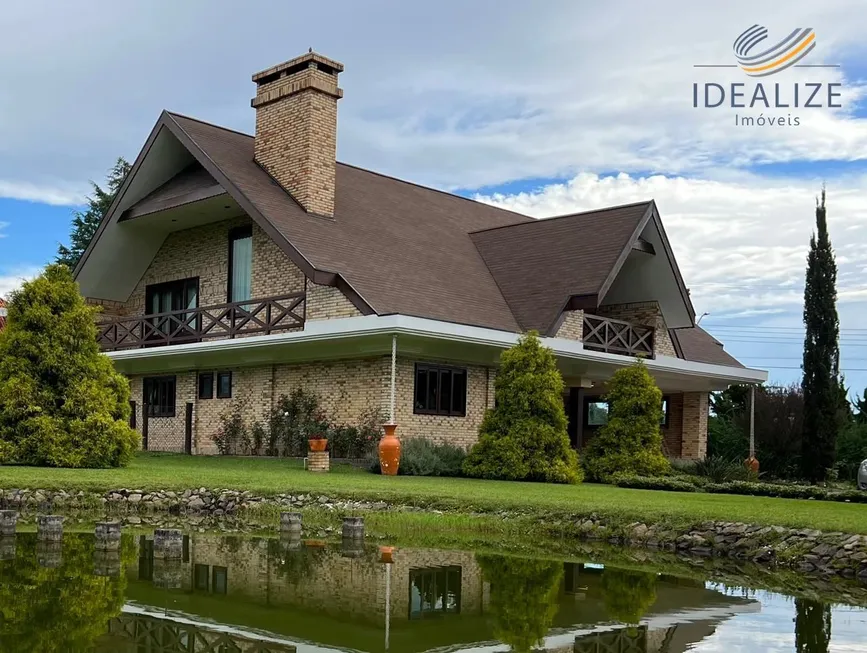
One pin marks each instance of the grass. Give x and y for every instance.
(271, 476)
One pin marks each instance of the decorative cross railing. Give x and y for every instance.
(251, 317)
(617, 336)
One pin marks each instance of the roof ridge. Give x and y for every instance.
(566, 215)
(373, 172)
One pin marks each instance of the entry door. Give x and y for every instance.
(169, 297)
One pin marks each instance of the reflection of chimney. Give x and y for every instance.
(296, 128)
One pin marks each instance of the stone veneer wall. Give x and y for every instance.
(645, 314)
(328, 303)
(572, 326)
(695, 414)
(348, 390)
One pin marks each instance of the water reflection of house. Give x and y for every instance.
(337, 599)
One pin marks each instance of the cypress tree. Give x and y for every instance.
(85, 223)
(821, 366)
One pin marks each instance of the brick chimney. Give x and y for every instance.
(296, 127)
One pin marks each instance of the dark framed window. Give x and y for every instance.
(219, 580)
(201, 577)
(440, 390)
(434, 591)
(179, 295)
(206, 385)
(159, 395)
(665, 404)
(240, 280)
(224, 385)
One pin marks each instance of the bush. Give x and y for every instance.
(628, 594)
(420, 457)
(524, 437)
(851, 450)
(232, 438)
(630, 442)
(62, 404)
(787, 491)
(350, 441)
(717, 469)
(292, 421)
(667, 483)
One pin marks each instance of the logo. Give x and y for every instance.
(764, 98)
(776, 58)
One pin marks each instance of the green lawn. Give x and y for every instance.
(270, 476)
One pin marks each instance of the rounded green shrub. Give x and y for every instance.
(62, 404)
(524, 437)
(630, 443)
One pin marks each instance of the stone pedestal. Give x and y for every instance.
(352, 547)
(168, 543)
(106, 563)
(49, 553)
(7, 547)
(8, 522)
(49, 527)
(168, 573)
(290, 541)
(107, 536)
(318, 461)
(290, 523)
(353, 528)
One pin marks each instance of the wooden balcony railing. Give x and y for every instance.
(617, 337)
(221, 321)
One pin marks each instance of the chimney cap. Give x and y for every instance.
(306, 58)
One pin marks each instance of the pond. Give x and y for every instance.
(266, 594)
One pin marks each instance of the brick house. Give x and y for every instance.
(234, 268)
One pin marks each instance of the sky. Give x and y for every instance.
(547, 108)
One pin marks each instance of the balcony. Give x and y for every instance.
(219, 322)
(617, 337)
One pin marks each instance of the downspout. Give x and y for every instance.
(393, 380)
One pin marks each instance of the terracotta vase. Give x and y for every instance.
(386, 554)
(752, 464)
(389, 451)
(318, 445)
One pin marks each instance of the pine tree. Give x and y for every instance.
(62, 403)
(524, 437)
(85, 223)
(821, 366)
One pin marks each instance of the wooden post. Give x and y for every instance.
(144, 425)
(188, 429)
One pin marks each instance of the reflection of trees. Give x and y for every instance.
(60, 609)
(523, 597)
(812, 626)
(628, 594)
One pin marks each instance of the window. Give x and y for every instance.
(173, 296)
(240, 281)
(201, 576)
(595, 411)
(440, 390)
(224, 385)
(434, 592)
(159, 395)
(206, 385)
(219, 580)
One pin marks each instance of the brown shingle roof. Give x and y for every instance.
(402, 247)
(539, 265)
(700, 346)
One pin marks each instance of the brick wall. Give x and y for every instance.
(348, 391)
(328, 303)
(646, 314)
(296, 135)
(695, 413)
(572, 326)
(672, 433)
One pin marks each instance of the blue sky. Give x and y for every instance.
(546, 112)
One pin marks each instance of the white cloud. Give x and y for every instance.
(741, 245)
(60, 194)
(11, 279)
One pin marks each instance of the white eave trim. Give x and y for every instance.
(386, 325)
